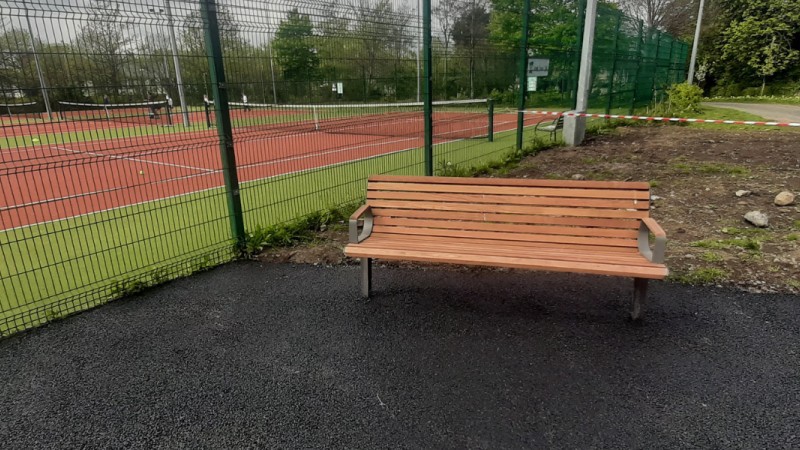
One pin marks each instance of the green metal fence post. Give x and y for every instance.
(613, 64)
(491, 120)
(523, 71)
(428, 85)
(224, 127)
(639, 58)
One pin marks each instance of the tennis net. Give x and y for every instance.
(464, 119)
(12, 113)
(146, 113)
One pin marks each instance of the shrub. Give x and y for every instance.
(685, 98)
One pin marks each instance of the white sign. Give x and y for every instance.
(538, 67)
(532, 82)
(340, 88)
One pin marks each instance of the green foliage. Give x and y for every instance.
(295, 232)
(295, 47)
(753, 245)
(701, 276)
(685, 98)
(751, 40)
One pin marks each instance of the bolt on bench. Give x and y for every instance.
(590, 227)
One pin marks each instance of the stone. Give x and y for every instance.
(743, 193)
(743, 203)
(655, 198)
(785, 198)
(578, 176)
(757, 218)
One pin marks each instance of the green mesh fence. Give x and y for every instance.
(144, 140)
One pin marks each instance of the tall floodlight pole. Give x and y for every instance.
(693, 61)
(42, 84)
(176, 60)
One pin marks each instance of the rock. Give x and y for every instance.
(785, 198)
(743, 193)
(654, 198)
(578, 176)
(757, 218)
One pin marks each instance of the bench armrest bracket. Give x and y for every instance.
(647, 226)
(355, 236)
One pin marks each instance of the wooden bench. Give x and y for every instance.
(552, 127)
(590, 227)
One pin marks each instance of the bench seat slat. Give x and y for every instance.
(655, 272)
(624, 185)
(508, 218)
(513, 245)
(586, 254)
(508, 200)
(611, 242)
(508, 228)
(642, 195)
(512, 209)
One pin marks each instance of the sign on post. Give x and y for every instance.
(538, 67)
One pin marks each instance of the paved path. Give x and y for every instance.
(778, 113)
(281, 356)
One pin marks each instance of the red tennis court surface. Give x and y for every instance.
(51, 182)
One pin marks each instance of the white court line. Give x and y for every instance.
(296, 172)
(126, 158)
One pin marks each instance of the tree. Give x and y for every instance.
(749, 41)
(471, 33)
(294, 45)
(105, 43)
(446, 12)
(764, 44)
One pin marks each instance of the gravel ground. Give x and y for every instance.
(283, 356)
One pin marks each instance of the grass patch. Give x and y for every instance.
(653, 184)
(711, 257)
(796, 224)
(706, 275)
(793, 237)
(749, 244)
(685, 166)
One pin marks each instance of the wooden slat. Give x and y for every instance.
(509, 228)
(513, 190)
(512, 209)
(653, 272)
(508, 218)
(611, 242)
(635, 259)
(513, 245)
(508, 200)
(638, 185)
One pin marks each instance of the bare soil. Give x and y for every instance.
(695, 174)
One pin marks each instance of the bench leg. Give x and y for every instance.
(639, 296)
(366, 276)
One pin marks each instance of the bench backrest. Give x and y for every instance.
(596, 213)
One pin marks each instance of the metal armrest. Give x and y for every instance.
(355, 236)
(647, 226)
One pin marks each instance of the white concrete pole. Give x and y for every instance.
(693, 61)
(575, 127)
(177, 62)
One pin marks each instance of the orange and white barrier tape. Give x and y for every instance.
(666, 119)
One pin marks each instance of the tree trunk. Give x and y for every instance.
(763, 85)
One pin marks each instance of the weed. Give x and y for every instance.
(721, 244)
(653, 183)
(796, 224)
(793, 237)
(711, 257)
(704, 275)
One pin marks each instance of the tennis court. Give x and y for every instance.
(88, 177)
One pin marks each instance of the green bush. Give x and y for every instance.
(685, 98)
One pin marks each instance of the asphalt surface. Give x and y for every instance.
(281, 356)
(778, 113)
